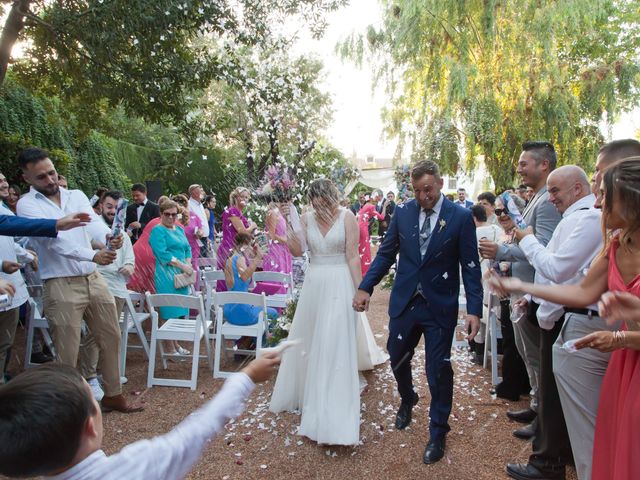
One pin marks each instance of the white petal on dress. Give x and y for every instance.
(321, 377)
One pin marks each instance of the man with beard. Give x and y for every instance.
(73, 289)
(116, 275)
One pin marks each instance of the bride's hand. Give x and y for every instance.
(361, 301)
(502, 286)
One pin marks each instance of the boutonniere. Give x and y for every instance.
(443, 223)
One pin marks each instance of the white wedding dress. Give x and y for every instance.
(320, 377)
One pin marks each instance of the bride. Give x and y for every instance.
(320, 377)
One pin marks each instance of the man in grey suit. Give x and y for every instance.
(536, 162)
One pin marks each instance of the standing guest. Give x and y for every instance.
(530, 194)
(365, 214)
(522, 192)
(388, 207)
(116, 275)
(233, 222)
(376, 199)
(210, 205)
(358, 204)
(462, 199)
(488, 201)
(62, 181)
(192, 226)
(196, 195)
(95, 201)
(73, 290)
(143, 274)
(140, 212)
(278, 257)
(13, 195)
(573, 245)
(536, 162)
(67, 446)
(435, 240)
(173, 256)
(615, 452)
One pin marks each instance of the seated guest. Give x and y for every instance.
(63, 439)
(238, 272)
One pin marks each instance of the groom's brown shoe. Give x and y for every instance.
(403, 417)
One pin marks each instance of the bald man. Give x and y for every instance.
(573, 245)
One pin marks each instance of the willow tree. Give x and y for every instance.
(470, 78)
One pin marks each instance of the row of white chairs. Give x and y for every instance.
(194, 328)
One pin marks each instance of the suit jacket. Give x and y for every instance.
(149, 212)
(467, 203)
(389, 211)
(543, 216)
(452, 246)
(12, 226)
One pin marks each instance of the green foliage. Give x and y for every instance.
(469, 79)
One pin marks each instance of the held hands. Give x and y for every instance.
(7, 288)
(472, 322)
(488, 249)
(263, 368)
(617, 306)
(361, 301)
(74, 220)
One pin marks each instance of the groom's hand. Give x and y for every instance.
(361, 301)
(474, 322)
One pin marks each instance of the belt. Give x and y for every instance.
(582, 311)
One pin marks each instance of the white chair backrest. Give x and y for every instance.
(223, 298)
(207, 262)
(212, 276)
(277, 277)
(193, 302)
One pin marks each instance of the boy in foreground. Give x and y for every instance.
(50, 424)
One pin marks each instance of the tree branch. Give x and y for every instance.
(10, 33)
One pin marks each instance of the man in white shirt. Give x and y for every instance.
(67, 446)
(574, 243)
(73, 289)
(116, 275)
(196, 194)
(462, 199)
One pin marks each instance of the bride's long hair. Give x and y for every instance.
(324, 197)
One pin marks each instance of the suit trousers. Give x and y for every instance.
(67, 301)
(405, 332)
(579, 377)
(89, 353)
(527, 335)
(551, 445)
(8, 323)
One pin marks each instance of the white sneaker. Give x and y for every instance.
(98, 393)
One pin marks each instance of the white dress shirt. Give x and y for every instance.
(140, 208)
(433, 218)
(69, 254)
(117, 282)
(172, 455)
(574, 244)
(8, 251)
(197, 208)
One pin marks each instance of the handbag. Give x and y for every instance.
(181, 280)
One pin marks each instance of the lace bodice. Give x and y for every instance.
(333, 243)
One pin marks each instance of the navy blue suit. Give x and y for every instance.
(11, 226)
(453, 245)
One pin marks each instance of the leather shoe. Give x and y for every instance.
(40, 357)
(118, 403)
(403, 417)
(522, 416)
(434, 451)
(526, 471)
(525, 432)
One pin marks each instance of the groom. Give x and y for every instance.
(434, 238)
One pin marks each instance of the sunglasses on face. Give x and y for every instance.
(501, 211)
(172, 215)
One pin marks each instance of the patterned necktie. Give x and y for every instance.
(425, 232)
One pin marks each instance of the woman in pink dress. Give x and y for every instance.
(278, 257)
(192, 226)
(616, 450)
(366, 213)
(233, 222)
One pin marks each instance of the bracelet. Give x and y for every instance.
(620, 338)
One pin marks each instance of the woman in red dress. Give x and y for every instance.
(616, 450)
(366, 213)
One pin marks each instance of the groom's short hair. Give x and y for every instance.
(425, 167)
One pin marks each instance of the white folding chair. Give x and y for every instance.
(278, 300)
(209, 280)
(179, 329)
(492, 334)
(226, 329)
(206, 263)
(131, 322)
(36, 320)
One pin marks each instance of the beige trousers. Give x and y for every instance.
(8, 324)
(67, 301)
(89, 353)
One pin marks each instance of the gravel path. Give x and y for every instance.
(263, 445)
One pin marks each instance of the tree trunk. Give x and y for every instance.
(10, 33)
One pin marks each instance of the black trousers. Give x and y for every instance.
(551, 445)
(515, 381)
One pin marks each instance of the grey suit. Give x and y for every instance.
(543, 217)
